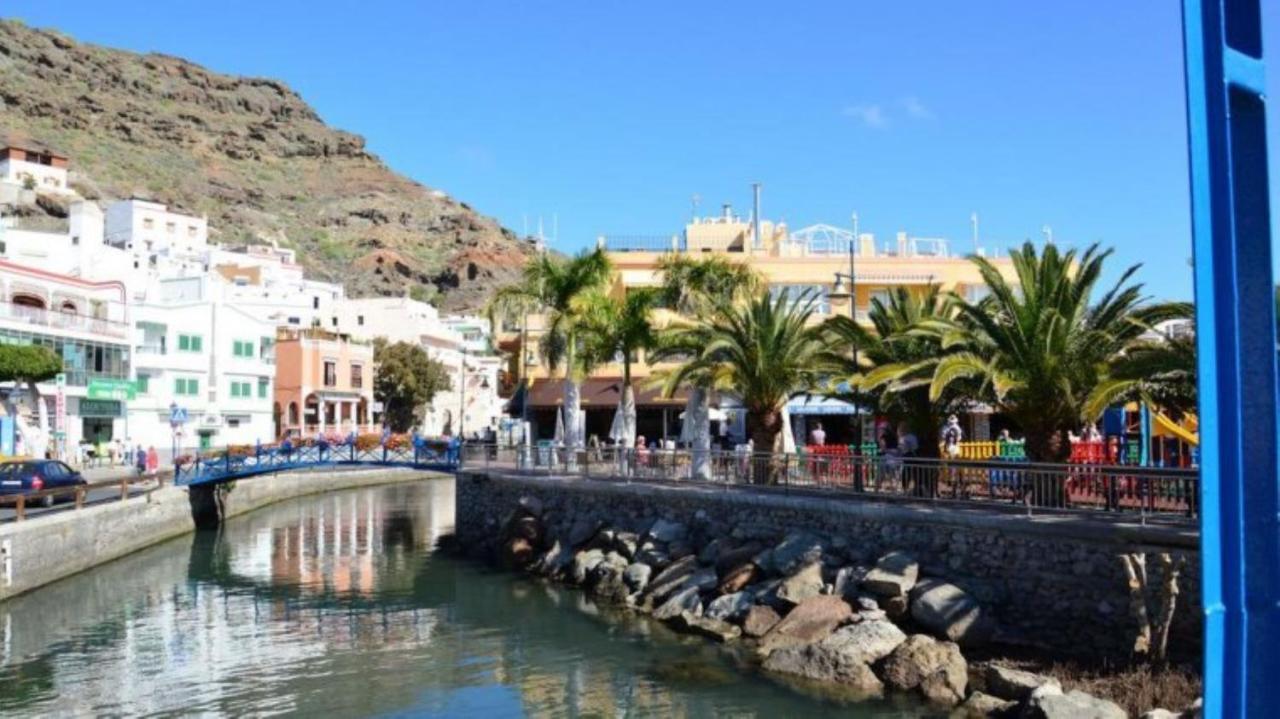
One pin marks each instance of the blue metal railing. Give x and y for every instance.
(230, 464)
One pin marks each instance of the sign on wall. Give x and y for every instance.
(101, 408)
(119, 389)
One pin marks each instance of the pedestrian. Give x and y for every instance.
(818, 436)
(140, 460)
(907, 440)
(952, 435)
(153, 462)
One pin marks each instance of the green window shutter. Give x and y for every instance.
(235, 389)
(179, 386)
(193, 387)
(264, 386)
(141, 383)
(184, 343)
(195, 343)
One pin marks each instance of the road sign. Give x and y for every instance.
(119, 389)
(177, 415)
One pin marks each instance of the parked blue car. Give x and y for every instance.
(36, 475)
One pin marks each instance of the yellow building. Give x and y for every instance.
(813, 258)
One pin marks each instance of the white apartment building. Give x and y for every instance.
(472, 403)
(86, 323)
(267, 281)
(32, 166)
(152, 230)
(206, 356)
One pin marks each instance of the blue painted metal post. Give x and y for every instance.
(1235, 322)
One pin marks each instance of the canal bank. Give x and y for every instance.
(48, 548)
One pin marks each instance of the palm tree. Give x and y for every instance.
(697, 287)
(563, 290)
(1036, 347)
(764, 351)
(620, 327)
(895, 362)
(1159, 370)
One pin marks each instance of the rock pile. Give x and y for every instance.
(807, 609)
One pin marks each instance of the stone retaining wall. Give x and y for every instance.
(51, 546)
(1051, 581)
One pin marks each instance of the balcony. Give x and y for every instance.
(642, 243)
(40, 317)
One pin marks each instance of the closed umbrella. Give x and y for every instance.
(559, 437)
(788, 438)
(623, 430)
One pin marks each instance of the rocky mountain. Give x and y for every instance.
(254, 157)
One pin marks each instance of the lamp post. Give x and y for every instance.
(846, 286)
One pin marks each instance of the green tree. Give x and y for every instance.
(1157, 370)
(563, 290)
(1036, 347)
(764, 351)
(31, 364)
(614, 327)
(895, 363)
(405, 380)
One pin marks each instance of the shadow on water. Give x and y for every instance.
(339, 605)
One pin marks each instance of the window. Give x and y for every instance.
(334, 321)
(170, 227)
(267, 348)
(360, 320)
(190, 343)
(295, 321)
(243, 348)
(241, 389)
(357, 376)
(148, 223)
(142, 383)
(184, 387)
(264, 387)
(330, 373)
(819, 294)
(191, 230)
(315, 302)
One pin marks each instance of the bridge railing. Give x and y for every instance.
(246, 461)
(1145, 492)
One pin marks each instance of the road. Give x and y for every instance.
(95, 496)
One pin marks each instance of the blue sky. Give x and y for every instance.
(612, 115)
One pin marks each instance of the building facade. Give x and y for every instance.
(815, 259)
(33, 166)
(324, 383)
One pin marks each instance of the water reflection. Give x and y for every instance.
(337, 605)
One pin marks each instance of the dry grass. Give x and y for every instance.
(1137, 687)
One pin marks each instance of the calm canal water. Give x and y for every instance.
(338, 606)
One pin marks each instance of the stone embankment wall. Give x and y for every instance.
(1056, 582)
(56, 545)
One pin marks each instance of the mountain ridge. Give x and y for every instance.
(254, 157)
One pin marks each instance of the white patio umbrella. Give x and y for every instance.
(559, 437)
(788, 437)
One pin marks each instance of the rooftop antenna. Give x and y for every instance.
(855, 242)
(755, 214)
(973, 220)
(1048, 234)
(694, 201)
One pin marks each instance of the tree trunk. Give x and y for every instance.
(42, 412)
(1135, 568)
(572, 403)
(1170, 570)
(764, 428)
(699, 417)
(1046, 444)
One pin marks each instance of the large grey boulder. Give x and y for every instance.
(730, 607)
(667, 531)
(798, 549)
(716, 629)
(847, 580)
(626, 543)
(672, 578)
(820, 663)
(637, 576)
(893, 575)
(729, 559)
(932, 668)
(583, 563)
(685, 600)
(812, 620)
(606, 580)
(804, 583)
(949, 612)
(1015, 684)
(583, 530)
(867, 642)
(1074, 704)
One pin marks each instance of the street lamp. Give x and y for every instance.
(846, 287)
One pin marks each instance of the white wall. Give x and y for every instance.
(47, 177)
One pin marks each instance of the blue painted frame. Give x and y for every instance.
(1235, 324)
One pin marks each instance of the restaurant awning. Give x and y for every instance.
(814, 404)
(598, 392)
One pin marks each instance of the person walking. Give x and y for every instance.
(153, 462)
(818, 436)
(140, 461)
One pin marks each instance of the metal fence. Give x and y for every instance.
(1033, 488)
